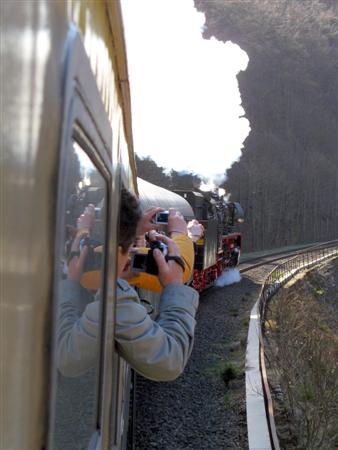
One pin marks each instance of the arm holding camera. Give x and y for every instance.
(159, 349)
(176, 223)
(177, 229)
(169, 272)
(78, 255)
(146, 223)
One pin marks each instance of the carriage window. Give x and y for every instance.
(79, 305)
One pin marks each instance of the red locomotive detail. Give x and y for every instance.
(220, 246)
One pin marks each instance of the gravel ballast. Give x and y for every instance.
(205, 407)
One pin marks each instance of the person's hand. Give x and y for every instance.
(176, 223)
(195, 230)
(76, 264)
(145, 223)
(86, 221)
(78, 257)
(169, 272)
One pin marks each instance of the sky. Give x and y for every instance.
(186, 105)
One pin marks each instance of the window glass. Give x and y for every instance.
(79, 306)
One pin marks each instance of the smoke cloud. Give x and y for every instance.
(186, 105)
(229, 276)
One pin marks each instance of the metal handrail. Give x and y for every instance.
(275, 279)
(286, 270)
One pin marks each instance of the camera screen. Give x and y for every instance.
(162, 217)
(139, 262)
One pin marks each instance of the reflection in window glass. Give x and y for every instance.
(79, 303)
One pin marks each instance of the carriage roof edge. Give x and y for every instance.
(152, 195)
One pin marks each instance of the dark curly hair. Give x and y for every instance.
(130, 215)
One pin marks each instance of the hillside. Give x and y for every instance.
(287, 177)
(302, 365)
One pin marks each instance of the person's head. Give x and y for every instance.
(130, 215)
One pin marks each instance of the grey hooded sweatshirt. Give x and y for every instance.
(158, 350)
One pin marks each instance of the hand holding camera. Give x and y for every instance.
(176, 223)
(86, 220)
(145, 262)
(171, 266)
(162, 259)
(146, 223)
(154, 217)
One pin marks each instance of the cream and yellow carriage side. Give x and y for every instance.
(66, 141)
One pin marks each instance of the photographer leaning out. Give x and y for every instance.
(159, 349)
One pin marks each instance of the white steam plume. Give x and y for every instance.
(229, 276)
(187, 112)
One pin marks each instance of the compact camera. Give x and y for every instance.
(145, 262)
(161, 217)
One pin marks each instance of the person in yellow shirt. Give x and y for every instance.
(177, 230)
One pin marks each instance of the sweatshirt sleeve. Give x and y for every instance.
(159, 349)
(77, 346)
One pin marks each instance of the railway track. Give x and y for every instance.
(200, 410)
(273, 257)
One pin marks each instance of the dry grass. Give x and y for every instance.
(302, 351)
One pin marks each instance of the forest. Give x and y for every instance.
(287, 176)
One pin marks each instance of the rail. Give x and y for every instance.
(272, 257)
(262, 433)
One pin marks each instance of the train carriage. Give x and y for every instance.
(152, 195)
(67, 139)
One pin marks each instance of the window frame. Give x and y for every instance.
(86, 122)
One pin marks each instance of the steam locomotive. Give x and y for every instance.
(220, 246)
